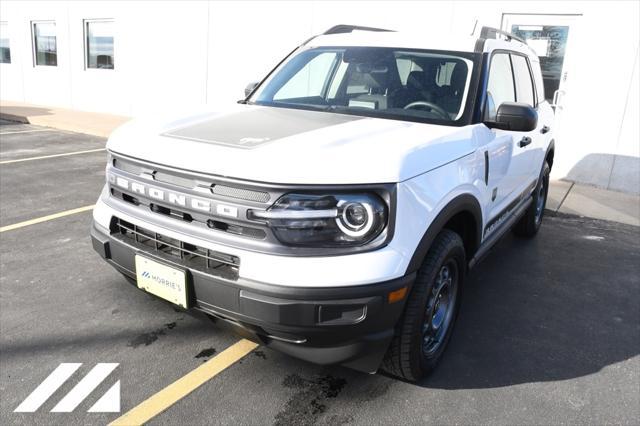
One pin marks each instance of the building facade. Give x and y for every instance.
(133, 58)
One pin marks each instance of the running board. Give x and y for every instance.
(499, 233)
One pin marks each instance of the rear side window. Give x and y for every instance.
(537, 75)
(405, 66)
(524, 84)
(500, 86)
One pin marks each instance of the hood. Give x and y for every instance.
(290, 146)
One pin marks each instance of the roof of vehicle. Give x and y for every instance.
(412, 40)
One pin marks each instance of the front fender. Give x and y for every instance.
(461, 203)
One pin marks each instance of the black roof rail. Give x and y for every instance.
(341, 29)
(489, 32)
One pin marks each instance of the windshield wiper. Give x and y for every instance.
(334, 108)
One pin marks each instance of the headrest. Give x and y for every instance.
(459, 76)
(416, 79)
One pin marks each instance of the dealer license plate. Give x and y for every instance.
(162, 280)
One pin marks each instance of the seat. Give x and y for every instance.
(452, 94)
(416, 89)
(376, 79)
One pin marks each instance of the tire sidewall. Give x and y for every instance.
(544, 180)
(421, 364)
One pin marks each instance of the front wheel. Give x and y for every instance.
(431, 310)
(530, 222)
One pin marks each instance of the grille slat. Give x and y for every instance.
(204, 259)
(241, 193)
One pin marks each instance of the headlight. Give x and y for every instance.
(325, 220)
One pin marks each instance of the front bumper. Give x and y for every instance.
(352, 325)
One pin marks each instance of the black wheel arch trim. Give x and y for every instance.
(551, 147)
(462, 203)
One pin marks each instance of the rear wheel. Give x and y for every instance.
(529, 224)
(431, 310)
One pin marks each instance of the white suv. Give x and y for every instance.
(334, 213)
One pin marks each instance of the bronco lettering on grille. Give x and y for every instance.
(174, 198)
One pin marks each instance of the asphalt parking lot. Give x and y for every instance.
(549, 330)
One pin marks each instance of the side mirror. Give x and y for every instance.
(518, 117)
(249, 88)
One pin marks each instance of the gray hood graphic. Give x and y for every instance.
(255, 127)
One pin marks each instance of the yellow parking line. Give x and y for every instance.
(51, 156)
(182, 387)
(45, 218)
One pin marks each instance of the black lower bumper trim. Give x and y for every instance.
(331, 325)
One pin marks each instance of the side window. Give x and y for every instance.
(524, 85)
(500, 86)
(336, 80)
(444, 73)
(310, 80)
(404, 68)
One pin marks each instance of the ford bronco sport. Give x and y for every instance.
(334, 213)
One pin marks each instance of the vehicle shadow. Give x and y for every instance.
(557, 307)
(560, 306)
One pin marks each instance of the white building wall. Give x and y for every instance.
(42, 85)
(176, 55)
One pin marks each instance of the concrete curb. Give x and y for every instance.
(91, 123)
(12, 117)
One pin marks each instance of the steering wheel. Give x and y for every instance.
(432, 107)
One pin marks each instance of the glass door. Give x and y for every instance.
(551, 38)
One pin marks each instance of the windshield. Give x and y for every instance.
(405, 84)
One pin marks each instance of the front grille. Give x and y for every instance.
(190, 182)
(196, 257)
(218, 224)
(241, 193)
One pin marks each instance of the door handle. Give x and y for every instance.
(545, 129)
(526, 140)
(555, 103)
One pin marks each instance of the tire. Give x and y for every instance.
(418, 345)
(530, 222)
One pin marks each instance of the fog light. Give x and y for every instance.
(341, 314)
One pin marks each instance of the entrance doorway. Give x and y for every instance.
(549, 36)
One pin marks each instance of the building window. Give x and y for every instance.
(99, 44)
(5, 49)
(45, 46)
